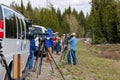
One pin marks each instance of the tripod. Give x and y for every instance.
(65, 49)
(64, 52)
(41, 50)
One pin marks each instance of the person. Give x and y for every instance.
(32, 50)
(57, 42)
(72, 52)
(58, 46)
(48, 45)
(37, 45)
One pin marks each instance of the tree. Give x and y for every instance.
(94, 23)
(118, 18)
(75, 13)
(102, 21)
(59, 16)
(29, 10)
(82, 23)
(22, 7)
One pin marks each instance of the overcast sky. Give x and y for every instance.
(62, 4)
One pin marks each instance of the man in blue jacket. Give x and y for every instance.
(32, 50)
(48, 45)
(72, 53)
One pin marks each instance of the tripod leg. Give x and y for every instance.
(41, 58)
(64, 55)
(40, 65)
(57, 67)
(35, 65)
(49, 51)
(61, 56)
(51, 67)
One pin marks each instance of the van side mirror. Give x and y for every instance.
(28, 23)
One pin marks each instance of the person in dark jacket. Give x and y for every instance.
(48, 45)
(32, 50)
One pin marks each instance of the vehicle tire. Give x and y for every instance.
(6, 75)
(25, 71)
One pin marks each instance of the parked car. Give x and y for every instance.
(37, 31)
(13, 32)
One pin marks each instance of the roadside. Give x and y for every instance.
(91, 66)
(46, 71)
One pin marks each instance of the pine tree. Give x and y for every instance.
(22, 7)
(29, 10)
(118, 18)
(82, 23)
(59, 16)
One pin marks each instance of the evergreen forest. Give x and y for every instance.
(102, 24)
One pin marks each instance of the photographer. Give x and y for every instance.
(48, 45)
(72, 53)
(32, 50)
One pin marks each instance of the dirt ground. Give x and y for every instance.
(46, 71)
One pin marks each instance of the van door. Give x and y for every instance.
(21, 38)
(19, 32)
(10, 39)
(24, 44)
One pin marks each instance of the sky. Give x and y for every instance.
(61, 4)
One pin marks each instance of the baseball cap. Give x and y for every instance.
(73, 34)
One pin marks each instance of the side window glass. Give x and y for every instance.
(10, 24)
(19, 27)
(23, 29)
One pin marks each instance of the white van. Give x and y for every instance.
(12, 37)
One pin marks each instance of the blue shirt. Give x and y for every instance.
(32, 45)
(73, 42)
(49, 43)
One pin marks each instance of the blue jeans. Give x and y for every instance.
(31, 59)
(71, 54)
(57, 47)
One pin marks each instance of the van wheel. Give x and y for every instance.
(25, 71)
(26, 67)
(6, 75)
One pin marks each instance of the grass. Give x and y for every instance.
(90, 66)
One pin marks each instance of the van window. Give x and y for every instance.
(1, 13)
(10, 24)
(19, 27)
(23, 29)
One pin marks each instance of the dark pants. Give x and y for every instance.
(57, 47)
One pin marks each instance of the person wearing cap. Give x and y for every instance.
(72, 52)
(49, 45)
